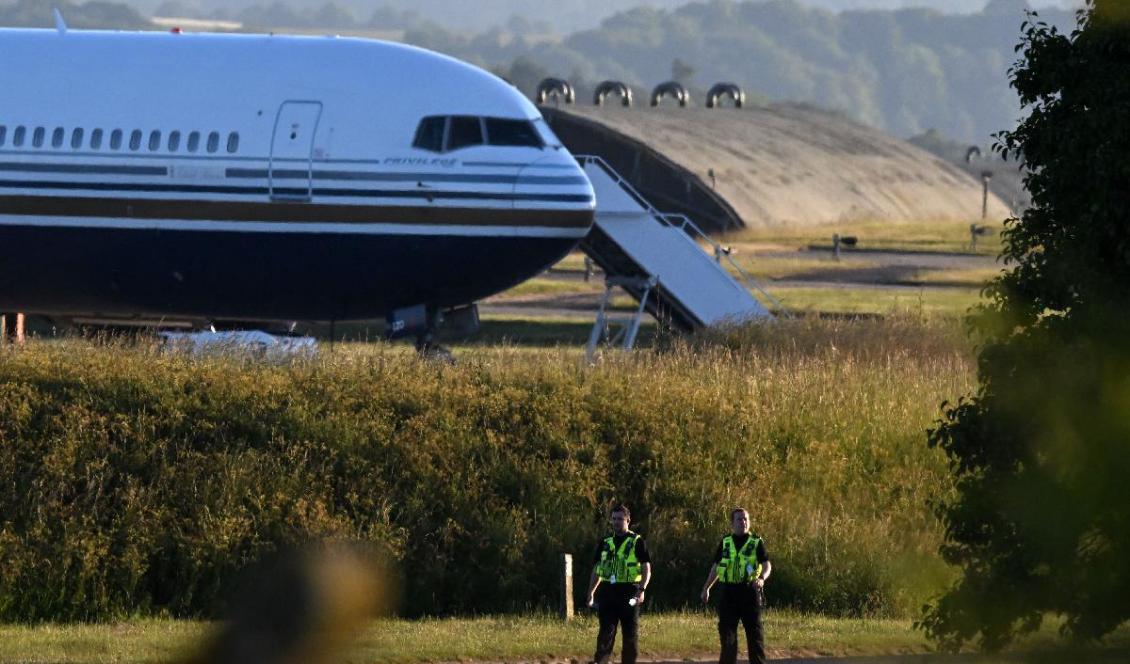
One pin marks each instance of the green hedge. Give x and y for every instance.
(133, 482)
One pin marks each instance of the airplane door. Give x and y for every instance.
(291, 148)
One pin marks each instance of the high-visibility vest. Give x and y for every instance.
(739, 566)
(619, 565)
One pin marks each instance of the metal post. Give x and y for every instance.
(973, 237)
(985, 177)
(634, 325)
(600, 328)
(588, 269)
(566, 612)
(836, 246)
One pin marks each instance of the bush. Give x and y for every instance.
(134, 482)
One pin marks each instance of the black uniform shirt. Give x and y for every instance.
(642, 554)
(739, 542)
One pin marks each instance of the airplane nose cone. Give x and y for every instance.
(555, 181)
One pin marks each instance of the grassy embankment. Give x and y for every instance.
(150, 480)
(139, 483)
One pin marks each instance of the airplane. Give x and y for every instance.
(178, 176)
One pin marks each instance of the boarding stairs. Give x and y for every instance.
(657, 259)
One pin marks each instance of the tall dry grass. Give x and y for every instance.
(133, 481)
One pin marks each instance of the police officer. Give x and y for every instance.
(741, 567)
(622, 570)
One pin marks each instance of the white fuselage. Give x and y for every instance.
(268, 177)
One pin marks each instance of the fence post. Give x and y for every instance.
(985, 177)
(566, 587)
(12, 328)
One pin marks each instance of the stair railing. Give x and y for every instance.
(683, 223)
(693, 232)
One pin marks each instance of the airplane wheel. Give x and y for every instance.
(434, 352)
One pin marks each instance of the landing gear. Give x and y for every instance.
(426, 345)
(429, 350)
(422, 322)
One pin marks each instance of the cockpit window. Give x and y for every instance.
(547, 136)
(441, 133)
(512, 132)
(466, 130)
(429, 135)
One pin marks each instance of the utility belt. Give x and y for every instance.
(743, 592)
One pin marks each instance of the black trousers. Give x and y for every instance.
(740, 602)
(613, 609)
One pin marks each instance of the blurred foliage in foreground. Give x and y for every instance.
(1041, 453)
(135, 482)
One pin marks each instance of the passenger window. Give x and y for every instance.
(154, 141)
(429, 135)
(96, 139)
(37, 137)
(174, 141)
(233, 142)
(76, 139)
(193, 141)
(3, 134)
(57, 137)
(512, 132)
(18, 136)
(465, 131)
(116, 139)
(213, 141)
(135, 139)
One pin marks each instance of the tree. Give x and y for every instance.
(526, 74)
(681, 71)
(37, 14)
(1040, 521)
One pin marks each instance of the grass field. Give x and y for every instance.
(948, 236)
(969, 278)
(669, 637)
(949, 302)
(543, 286)
(935, 257)
(778, 267)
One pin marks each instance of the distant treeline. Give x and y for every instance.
(95, 14)
(904, 71)
(137, 483)
(330, 15)
(476, 16)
